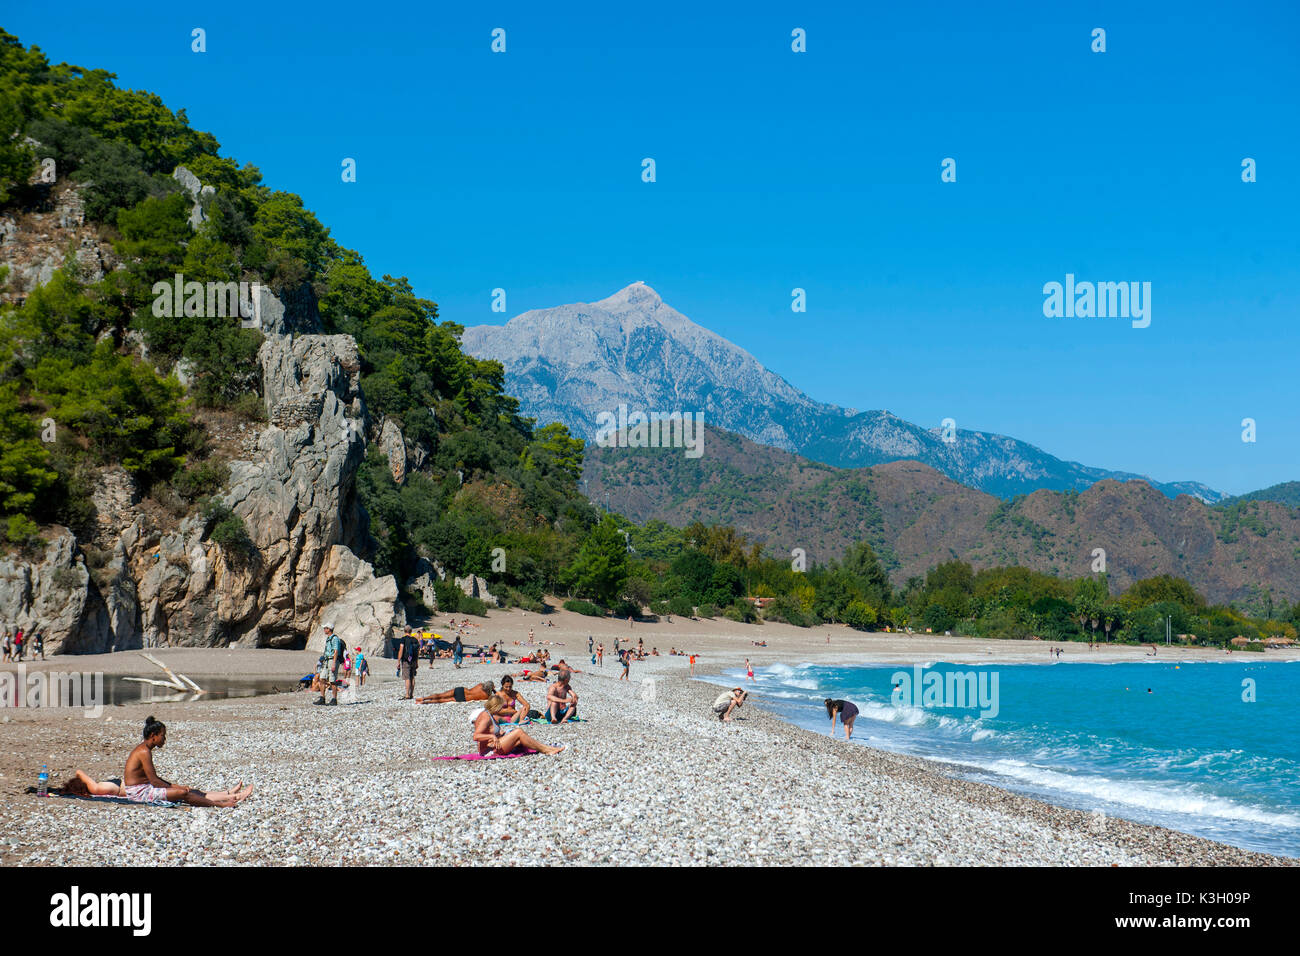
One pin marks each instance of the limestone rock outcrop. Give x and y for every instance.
(303, 563)
(476, 587)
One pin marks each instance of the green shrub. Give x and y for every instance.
(65, 579)
(472, 605)
(741, 611)
(228, 531)
(861, 616)
(24, 532)
(250, 406)
(625, 609)
(584, 607)
(201, 480)
(449, 597)
(513, 597)
(660, 608)
(786, 608)
(708, 610)
(681, 605)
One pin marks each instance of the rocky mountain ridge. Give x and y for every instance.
(572, 362)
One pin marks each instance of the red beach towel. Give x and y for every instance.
(493, 756)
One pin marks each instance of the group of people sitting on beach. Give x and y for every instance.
(561, 698)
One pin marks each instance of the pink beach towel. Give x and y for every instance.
(493, 756)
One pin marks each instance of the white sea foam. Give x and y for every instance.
(1147, 795)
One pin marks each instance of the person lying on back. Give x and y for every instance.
(461, 694)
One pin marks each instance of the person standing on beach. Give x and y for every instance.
(591, 649)
(408, 661)
(692, 665)
(38, 645)
(331, 660)
(749, 670)
(457, 652)
(627, 663)
(362, 668)
(8, 646)
(600, 654)
(847, 712)
(18, 645)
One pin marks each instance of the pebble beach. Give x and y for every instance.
(649, 777)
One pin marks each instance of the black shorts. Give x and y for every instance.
(458, 694)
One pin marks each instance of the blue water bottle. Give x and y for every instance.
(43, 782)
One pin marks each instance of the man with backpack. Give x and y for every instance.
(408, 661)
(330, 662)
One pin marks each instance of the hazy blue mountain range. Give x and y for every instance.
(572, 362)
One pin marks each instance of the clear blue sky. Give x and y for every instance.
(818, 170)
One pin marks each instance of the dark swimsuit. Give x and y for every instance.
(458, 694)
(848, 710)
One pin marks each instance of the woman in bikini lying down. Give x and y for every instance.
(491, 736)
(461, 694)
(141, 783)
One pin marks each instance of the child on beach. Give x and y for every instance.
(749, 670)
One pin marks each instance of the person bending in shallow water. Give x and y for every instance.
(491, 736)
(141, 783)
(847, 712)
(461, 694)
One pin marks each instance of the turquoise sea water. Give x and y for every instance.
(1171, 744)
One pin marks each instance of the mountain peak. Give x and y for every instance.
(638, 294)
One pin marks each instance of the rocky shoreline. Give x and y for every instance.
(650, 777)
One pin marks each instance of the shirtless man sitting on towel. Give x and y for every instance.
(461, 694)
(561, 701)
(82, 784)
(141, 783)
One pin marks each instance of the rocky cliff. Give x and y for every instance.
(294, 489)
